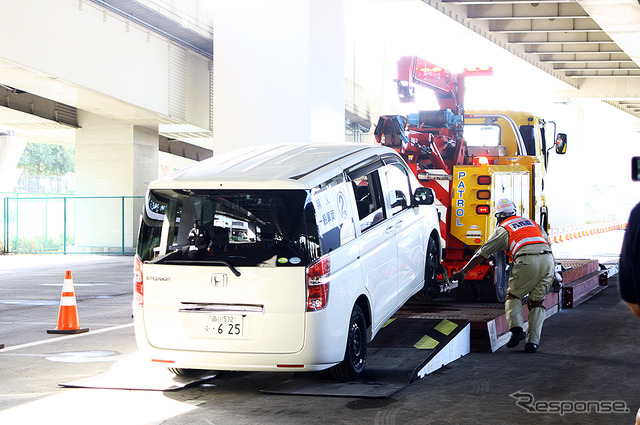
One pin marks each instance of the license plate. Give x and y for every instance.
(222, 325)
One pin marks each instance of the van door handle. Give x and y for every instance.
(389, 230)
(399, 224)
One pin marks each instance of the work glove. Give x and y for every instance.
(458, 276)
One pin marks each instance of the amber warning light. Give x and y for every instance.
(480, 160)
(432, 69)
(478, 71)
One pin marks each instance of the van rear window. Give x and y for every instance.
(275, 228)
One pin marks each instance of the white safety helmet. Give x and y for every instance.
(505, 208)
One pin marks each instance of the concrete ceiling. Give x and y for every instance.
(593, 45)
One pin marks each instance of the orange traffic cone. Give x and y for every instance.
(68, 322)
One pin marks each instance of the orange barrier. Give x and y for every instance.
(68, 321)
(566, 233)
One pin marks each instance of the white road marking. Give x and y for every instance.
(62, 338)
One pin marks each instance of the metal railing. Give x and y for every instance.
(69, 224)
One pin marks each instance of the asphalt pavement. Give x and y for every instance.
(585, 372)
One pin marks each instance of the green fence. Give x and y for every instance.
(70, 224)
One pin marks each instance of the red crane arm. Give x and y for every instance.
(448, 87)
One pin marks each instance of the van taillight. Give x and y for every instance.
(318, 284)
(138, 288)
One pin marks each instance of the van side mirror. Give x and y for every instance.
(635, 168)
(423, 196)
(561, 144)
(400, 201)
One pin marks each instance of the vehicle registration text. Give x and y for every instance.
(223, 325)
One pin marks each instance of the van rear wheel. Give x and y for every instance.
(355, 356)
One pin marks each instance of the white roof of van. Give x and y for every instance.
(270, 167)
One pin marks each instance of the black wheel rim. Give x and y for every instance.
(432, 259)
(501, 276)
(357, 344)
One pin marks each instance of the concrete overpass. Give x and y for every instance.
(593, 45)
(137, 85)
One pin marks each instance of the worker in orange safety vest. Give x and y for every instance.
(532, 273)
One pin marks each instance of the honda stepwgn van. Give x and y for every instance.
(303, 253)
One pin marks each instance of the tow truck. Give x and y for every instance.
(469, 160)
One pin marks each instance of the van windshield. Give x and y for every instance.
(274, 228)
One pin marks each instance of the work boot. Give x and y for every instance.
(517, 335)
(530, 347)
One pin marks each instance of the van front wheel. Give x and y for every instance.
(355, 356)
(432, 267)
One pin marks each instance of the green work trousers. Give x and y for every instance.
(533, 275)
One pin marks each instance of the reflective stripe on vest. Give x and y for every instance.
(522, 231)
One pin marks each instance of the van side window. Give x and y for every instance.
(368, 193)
(334, 215)
(398, 191)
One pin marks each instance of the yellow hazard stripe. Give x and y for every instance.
(426, 343)
(446, 327)
(390, 321)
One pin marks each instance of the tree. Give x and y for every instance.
(42, 159)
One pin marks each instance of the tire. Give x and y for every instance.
(467, 291)
(431, 266)
(355, 356)
(494, 290)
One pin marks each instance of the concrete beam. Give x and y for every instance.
(613, 88)
(457, 10)
(85, 56)
(17, 100)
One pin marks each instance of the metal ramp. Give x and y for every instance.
(582, 279)
(406, 349)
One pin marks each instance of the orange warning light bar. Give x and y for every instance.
(478, 71)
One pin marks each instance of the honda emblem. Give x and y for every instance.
(219, 280)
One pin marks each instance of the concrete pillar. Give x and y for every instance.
(113, 159)
(11, 149)
(278, 72)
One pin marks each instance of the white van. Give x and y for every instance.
(287, 258)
